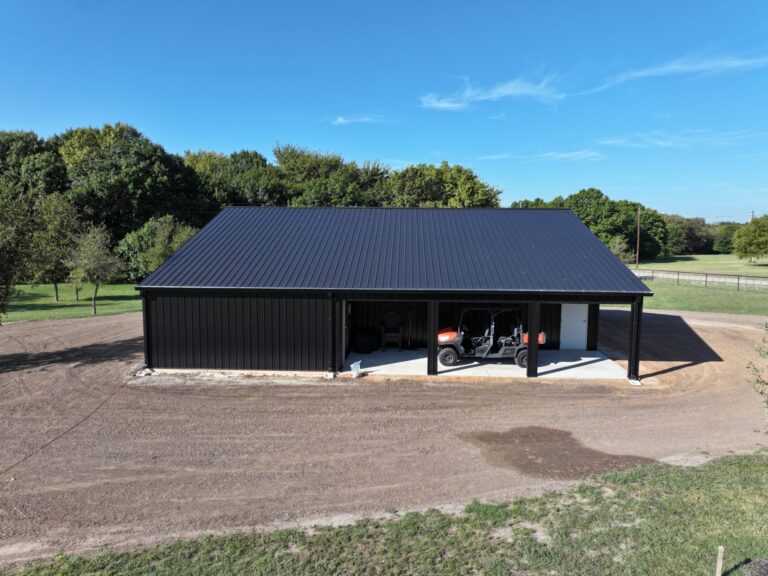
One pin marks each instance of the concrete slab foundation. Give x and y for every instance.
(571, 364)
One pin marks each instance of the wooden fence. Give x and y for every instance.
(704, 279)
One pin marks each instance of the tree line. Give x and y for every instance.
(102, 204)
(615, 223)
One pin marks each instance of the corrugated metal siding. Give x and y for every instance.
(470, 250)
(238, 332)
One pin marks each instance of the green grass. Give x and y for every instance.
(711, 263)
(653, 520)
(669, 296)
(37, 303)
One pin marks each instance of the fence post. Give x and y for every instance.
(653, 273)
(738, 282)
(678, 278)
(706, 277)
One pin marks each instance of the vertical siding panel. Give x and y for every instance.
(162, 327)
(235, 331)
(264, 347)
(316, 338)
(216, 320)
(256, 344)
(206, 331)
(173, 311)
(283, 308)
(242, 321)
(226, 332)
(189, 326)
(184, 339)
(156, 327)
(311, 332)
(247, 360)
(303, 335)
(289, 304)
(238, 320)
(198, 311)
(170, 337)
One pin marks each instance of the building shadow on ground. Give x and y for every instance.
(664, 338)
(90, 354)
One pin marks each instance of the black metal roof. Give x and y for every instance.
(397, 249)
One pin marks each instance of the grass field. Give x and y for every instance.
(655, 519)
(37, 303)
(711, 263)
(668, 296)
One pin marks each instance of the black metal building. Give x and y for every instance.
(275, 288)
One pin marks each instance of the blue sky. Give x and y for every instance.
(661, 102)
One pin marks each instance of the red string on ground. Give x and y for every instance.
(68, 430)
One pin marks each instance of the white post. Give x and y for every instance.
(719, 567)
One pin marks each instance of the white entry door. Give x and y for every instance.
(573, 326)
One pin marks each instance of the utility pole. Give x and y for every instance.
(637, 243)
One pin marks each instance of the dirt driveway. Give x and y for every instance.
(164, 458)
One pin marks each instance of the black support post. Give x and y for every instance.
(433, 308)
(593, 326)
(534, 318)
(635, 322)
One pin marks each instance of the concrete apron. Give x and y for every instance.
(570, 364)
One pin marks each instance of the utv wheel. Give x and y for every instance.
(448, 357)
(522, 359)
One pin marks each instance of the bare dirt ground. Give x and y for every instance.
(166, 457)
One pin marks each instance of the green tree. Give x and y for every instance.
(13, 245)
(313, 179)
(538, 203)
(723, 242)
(618, 246)
(244, 177)
(30, 165)
(54, 232)
(93, 261)
(614, 222)
(145, 249)
(427, 185)
(120, 179)
(751, 239)
(688, 235)
(301, 165)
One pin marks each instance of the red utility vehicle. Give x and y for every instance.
(486, 333)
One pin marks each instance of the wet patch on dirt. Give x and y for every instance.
(548, 453)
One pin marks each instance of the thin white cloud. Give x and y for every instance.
(684, 139)
(586, 154)
(687, 66)
(517, 88)
(357, 119)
